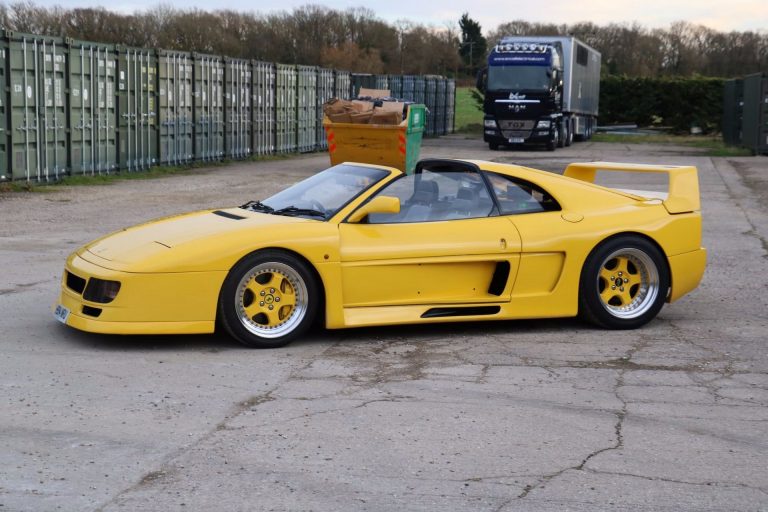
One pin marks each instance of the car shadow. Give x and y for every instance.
(220, 341)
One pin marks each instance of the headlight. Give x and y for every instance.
(99, 290)
(544, 123)
(489, 123)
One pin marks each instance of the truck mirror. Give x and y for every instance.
(482, 79)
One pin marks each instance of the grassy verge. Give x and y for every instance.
(108, 179)
(469, 116)
(713, 145)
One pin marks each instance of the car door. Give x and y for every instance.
(445, 246)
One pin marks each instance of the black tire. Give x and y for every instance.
(552, 144)
(569, 133)
(493, 146)
(624, 283)
(561, 136)
(291, 298)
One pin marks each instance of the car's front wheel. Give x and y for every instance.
(268, 299)
(624, 283)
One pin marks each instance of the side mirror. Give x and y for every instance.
(380, 204)
(482, 79)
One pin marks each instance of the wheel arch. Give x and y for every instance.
(620, 234)
(295, 254)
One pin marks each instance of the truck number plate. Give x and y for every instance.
(61, 313)
(516, 140)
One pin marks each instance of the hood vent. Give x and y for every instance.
(228, 215)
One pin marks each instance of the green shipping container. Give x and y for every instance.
(37, 135)
(175, 107)
(342, 84)
(237, 107)
(325, 91)
(285, 108)
(137, 117)
(306, 108)
(208, 101)
(92, 108)
(263, 108)
(5, 170)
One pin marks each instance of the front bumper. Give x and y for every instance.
(158, 303)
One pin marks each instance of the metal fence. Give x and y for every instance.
(82, 108)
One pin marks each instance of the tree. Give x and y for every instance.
(473, 45)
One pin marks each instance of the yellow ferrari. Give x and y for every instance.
(360, 245)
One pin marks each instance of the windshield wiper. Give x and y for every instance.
(295, 210)
(257, 206)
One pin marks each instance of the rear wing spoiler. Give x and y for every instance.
(683, 196)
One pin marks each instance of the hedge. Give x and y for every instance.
(678, 103)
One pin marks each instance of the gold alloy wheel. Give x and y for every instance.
(628, 283)
(271, 299)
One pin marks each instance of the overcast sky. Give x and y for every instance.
(722, 15)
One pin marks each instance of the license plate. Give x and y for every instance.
(516, 140)
(61, 314)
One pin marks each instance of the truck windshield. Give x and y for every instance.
(518, 78)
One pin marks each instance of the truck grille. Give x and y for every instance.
(516, 133)
(516, 124)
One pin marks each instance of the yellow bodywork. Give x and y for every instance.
(171, 270)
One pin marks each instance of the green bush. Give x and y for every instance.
(678, 103)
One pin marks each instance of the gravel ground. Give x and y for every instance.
(505, 416)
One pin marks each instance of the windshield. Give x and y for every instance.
(321, 195)
(518, 78)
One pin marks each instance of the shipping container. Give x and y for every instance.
(419, 90)
(409, 84)
(430, 88)
(37, 134)
(175, 107)
(137, 132)
(285, 108)
(5, 169)
(306, 108)
(439, 115)
(92, 108)
(263, 108)
(208, 105)
(342, 83)
(754, 128)
(325, 91)
(396, 86)
(237, 111)
(361, 80)
(450, 106)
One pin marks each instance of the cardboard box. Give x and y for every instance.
(341, 117)
(383, 117)
(361, 117)
(374, 93)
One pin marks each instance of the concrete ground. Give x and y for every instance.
(507, 416)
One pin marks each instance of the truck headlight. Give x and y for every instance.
(544, 123)
(489, 123)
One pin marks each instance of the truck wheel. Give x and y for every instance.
(561, 134)
(493, 146)
(553, 143)
(569, 132)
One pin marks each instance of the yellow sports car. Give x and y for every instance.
(359, 245)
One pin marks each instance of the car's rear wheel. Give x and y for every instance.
(624, 283)
(268, 299)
